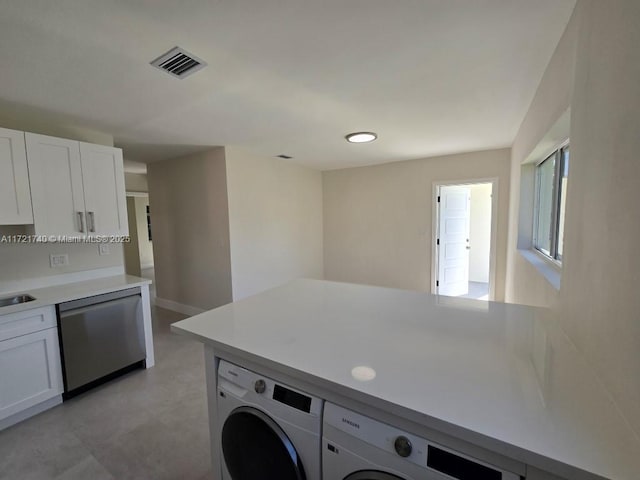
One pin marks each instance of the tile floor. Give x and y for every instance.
(478, 291)
(149, 425)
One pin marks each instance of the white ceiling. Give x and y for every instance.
(430, 77)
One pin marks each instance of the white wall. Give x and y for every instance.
(136, 182)
(525, 284)
(188, 198)
(378, 219)
(480, 233)
(275, 221)
(26, 261)
(31, 119)
(599, 305)
(598, 302)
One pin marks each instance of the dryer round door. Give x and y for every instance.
(371, 475)
(255, 447)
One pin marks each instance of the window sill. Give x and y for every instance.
(547, 268)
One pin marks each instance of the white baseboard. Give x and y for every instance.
(61, 279)
(177, 307)
(30, 412)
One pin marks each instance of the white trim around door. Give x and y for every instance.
(494, 228)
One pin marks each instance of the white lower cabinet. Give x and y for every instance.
(30, 368)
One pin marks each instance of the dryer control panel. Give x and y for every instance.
(240, 382)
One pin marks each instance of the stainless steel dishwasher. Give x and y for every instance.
(101, 337)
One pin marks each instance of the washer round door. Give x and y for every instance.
(254, 447)
(371, 475)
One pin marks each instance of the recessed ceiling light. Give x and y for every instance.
(361, 137)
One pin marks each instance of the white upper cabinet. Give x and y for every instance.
(104, 191)
(15, 196)
(56, 185)
(76, 188)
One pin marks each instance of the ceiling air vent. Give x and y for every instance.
(179, 63)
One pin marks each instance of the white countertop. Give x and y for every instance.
(72, 291)
(500, 376)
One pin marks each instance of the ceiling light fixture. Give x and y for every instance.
(361, 137)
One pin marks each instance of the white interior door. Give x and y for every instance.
(454, 214)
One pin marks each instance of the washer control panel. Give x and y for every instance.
(379, 434)
(403, 446)
(260, 386)
(412, 448)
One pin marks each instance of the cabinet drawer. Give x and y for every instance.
(28, 321)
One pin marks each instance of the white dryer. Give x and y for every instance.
(267, 430)
(356, 447)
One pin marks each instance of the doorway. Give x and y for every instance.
(138, 252)
(464, 239)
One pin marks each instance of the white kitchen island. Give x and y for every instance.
(494, 381)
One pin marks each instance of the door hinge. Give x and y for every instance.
(438, 198)
(437, 283)
(438, 241)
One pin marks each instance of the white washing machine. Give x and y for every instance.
(267, 430)
(355, 447)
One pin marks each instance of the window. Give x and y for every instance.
(551, 187)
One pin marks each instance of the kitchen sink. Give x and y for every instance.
(15, 300)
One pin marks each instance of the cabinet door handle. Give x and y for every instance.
(81, 221)
(91, 220)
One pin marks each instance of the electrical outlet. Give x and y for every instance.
(103, 249)
(61, 260)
